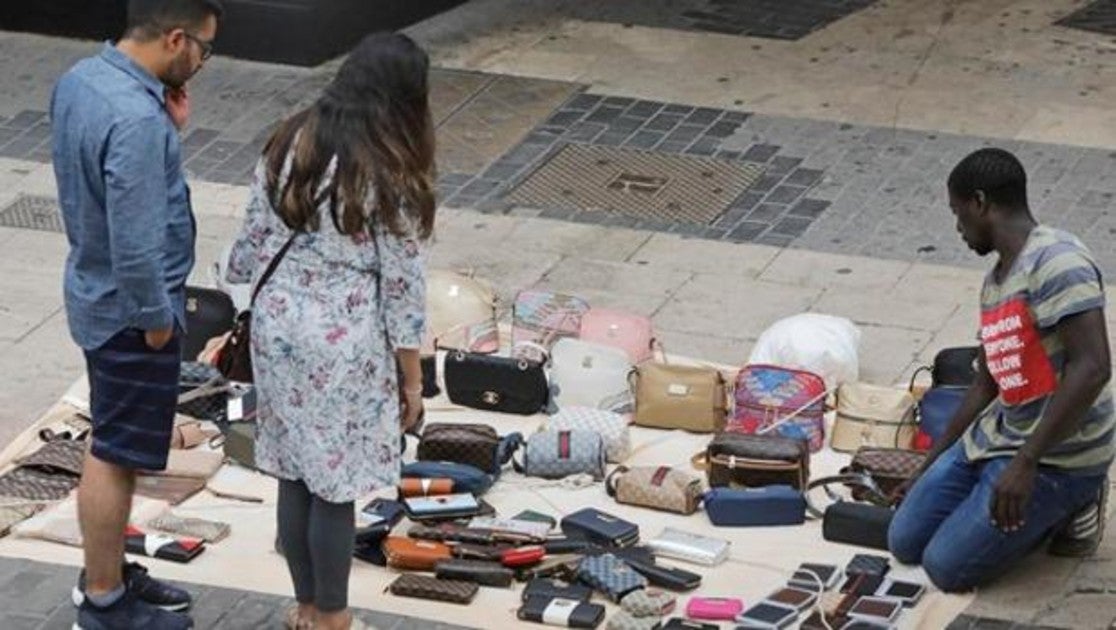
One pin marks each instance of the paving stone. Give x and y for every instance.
(790, 226)
(808, 208)
(644, 139)
(785, 194)
(760, 153)
(585, 132)
(583, 102)
(644, 109)
(745, 312)
(677, 252)
(25, 119)
(747, 231)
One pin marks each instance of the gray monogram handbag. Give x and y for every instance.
(556, 454)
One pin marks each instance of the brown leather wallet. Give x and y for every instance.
(426, 587)
(414, 555)
(414, 487)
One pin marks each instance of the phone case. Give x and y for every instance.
(550, 588)
(180, 550)
(522, 556)
(862, 584)
(915, 593)
(624, 620)
(480, 572)
(556, 611)
(714, 608)
(767, 615)
(797, 598)
(681, 545)
(879, 609)
(426, 587)
(829, 574)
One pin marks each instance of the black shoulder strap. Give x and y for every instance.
(855, 479)
(271, 266)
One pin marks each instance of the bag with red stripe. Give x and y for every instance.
(555, 454)
(175, 549)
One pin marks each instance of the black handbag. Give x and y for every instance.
(491, 383)
(851, 522)
(209, 313)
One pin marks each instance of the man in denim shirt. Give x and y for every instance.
(127, 212)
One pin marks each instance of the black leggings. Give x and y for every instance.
(317, 540)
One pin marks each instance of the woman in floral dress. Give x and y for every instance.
(350, 183)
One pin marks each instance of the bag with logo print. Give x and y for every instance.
(556, 454)
(658, 487)
(612, 427)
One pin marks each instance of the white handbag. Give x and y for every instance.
(584, 374)
(460, 312)
(612, 427)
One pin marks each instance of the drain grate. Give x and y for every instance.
(639, 184)
(31, 212)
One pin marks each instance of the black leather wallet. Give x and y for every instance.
(670, 578)
(559, 566)
(601, 528)
(860, 524)
(480, 552)
(377, 519)
(569, 613)
(481, 572)
(567, 545)
(546, 587)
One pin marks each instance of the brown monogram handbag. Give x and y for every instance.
(657, 487)
(755, 460)
(472, 444)
(888, 467)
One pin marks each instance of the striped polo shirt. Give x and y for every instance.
(1052, 278)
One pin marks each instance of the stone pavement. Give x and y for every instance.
(826, 128)
(36, 596)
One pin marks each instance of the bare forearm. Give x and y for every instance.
(410, 368)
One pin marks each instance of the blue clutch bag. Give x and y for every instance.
(755, 507)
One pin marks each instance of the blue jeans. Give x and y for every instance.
(945, 522)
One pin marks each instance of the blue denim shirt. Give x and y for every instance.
(124, 200)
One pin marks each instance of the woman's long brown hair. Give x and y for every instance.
(375, 118)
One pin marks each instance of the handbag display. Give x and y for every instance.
(755, 507)
(472, 444)
(599, 527)
(658, 487)
(585, 374)
(745, 460)
(871, 415)
(542, 318)
(612, 427)
(209, 313)
(670, 396)
(610, 575)
(889, 468)
(461, 312)
(426, 587)
(682, 545)
(465, 478)
(476, 571)
(555, 454)
(235, 358)
(492, 383)
(788, 402)
(414, 555)
(634, 334)
(549, 588)
(557, 611)
(648, 602)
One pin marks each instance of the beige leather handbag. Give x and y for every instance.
(871, 415)
(460, 312)
(670, 396)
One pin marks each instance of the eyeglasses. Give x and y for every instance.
(206, 47)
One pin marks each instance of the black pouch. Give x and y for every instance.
(858, 524)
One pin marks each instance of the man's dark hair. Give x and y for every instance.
(147, 19)
(996, 172)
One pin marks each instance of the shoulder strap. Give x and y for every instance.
(861, 480)
(271, 266)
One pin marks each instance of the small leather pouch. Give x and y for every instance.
(623, 620)
(648, 602)
(414, 555)
(476, 571)
(472, 444)
(600, 527)
(657, 487)
(747, 460)
(424, 487)
(550, 588)
(860, 524)
(610, 575)
(682, 545)
(426, 587)
(755, 507)
(612, 427)
(670, 396)
(566, 613)
(553, 454)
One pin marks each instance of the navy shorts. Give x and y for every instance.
(133, 393)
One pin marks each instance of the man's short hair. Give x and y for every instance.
(996, 172)
(148, 19)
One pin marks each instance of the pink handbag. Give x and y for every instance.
(631, 333)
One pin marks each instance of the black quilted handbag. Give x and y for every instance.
(203, 392)
(491, 383)
(209, 313)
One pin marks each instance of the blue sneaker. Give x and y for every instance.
(145, 588)
(129, 613)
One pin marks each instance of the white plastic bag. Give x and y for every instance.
(823, 344)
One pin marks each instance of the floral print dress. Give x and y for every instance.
(324, 331)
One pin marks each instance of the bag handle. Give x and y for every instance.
(858, 479)
(792, 415)
(271, 267)
(611, 480)
(700, 460)
(920, 370)
(215, 385)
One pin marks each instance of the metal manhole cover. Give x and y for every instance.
(641, 184)
(32, 213)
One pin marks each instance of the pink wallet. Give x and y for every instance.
(714, 608)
